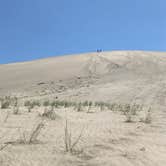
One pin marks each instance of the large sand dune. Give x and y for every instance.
(119, 76)
(132, 77)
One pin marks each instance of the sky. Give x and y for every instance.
(32, 29)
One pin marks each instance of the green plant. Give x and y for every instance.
(46, 103)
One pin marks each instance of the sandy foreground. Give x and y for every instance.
(104, 137)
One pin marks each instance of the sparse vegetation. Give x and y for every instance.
(49, 114)
(16, 107)
(132, 109)
(79, 107)
(5, 103)
(8, 101)
(148, 117)
(16, 110)
(46, 103)
(128, 117)
(129, 110)
(6, 117)
(31, 104)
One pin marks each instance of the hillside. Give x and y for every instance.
(95, 109)
(119, 76)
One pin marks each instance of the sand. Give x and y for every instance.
(113, 77)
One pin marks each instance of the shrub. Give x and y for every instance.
(148, 117)
(5, 104)
(128, 118)
(16, 110)
(90, 105)
(46, 103)
(85, 103)
(53, 104)
(31, 104)
(7, 101)
(50, 114)
(27, 103)
(36, 103)
(79, 107)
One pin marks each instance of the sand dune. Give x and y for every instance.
(118, 77)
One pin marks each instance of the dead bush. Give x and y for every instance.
(31, 138)
(50, 114)
(69, 143)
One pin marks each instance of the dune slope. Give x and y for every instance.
(119, 76)
(107, 135)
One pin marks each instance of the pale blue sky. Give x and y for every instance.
(31, 29)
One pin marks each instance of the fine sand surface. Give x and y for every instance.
(105, 138)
